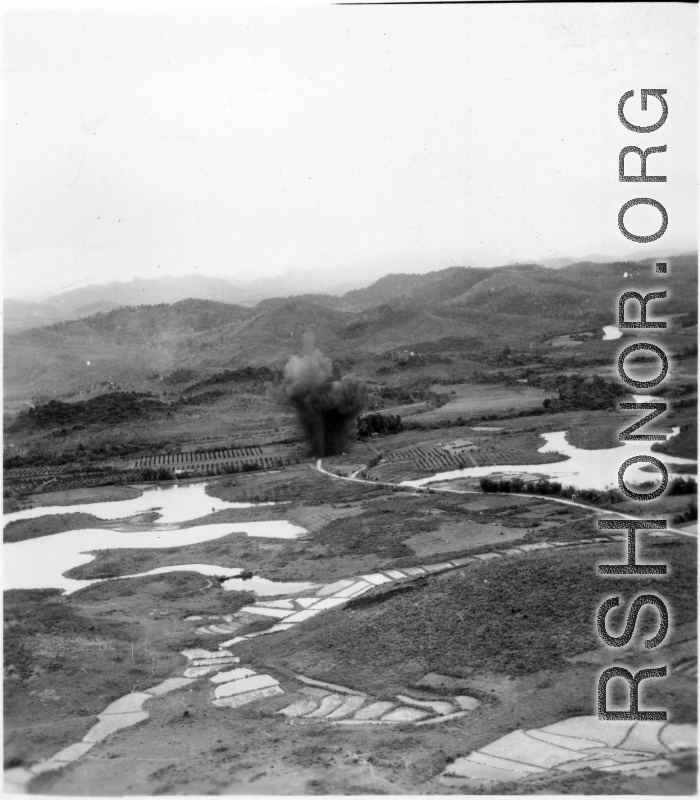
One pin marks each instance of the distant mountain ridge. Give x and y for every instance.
(19, 315)
(348, 284)
(490, 307)
(76, 303)
(140, 291)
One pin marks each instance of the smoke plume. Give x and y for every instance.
(326, 403)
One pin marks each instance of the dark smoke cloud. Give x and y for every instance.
(326, 403)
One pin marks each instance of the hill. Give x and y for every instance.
(19, 315)
(432, 288)
(148, 292)
(121, 348)
(503, 306)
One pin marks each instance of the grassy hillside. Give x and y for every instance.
(513, 306)
(398, 635)
(433, 287)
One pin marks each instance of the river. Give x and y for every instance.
(41, 563)
(583, 469)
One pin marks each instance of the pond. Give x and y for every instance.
(255, 584)
(173, 503)
(611, 332)
(583, 469)
(41, 563)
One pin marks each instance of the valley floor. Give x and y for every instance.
(424, 636)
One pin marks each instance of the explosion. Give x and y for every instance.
(325, 402)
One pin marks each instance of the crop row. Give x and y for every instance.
(509, 457)
(264, 462)
(78, 481)
(23, 486)
(431, 458)
(32, 472)
(85, 481)
(435, 459)
(192, 458)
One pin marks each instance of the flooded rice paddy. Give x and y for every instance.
(627, 747)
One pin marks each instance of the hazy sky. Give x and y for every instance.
(246, 142)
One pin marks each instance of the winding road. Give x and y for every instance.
(549, 498)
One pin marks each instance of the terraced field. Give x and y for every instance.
(60, 479)
(238, 453)
(200, 462)
(232, 682)
(209, 462)
(404, 463)
(34, 472)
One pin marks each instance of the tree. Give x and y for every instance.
(376, 424)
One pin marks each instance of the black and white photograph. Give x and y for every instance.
(350, 398)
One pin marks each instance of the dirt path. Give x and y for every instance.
(217, 678)
(237, 685)
(560, 500)
(227, 684)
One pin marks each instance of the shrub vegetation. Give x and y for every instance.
(106, 409)
(379, 424)
(551, 488)
(511, 616)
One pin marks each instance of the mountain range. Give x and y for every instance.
(86, 300)
(486, 307)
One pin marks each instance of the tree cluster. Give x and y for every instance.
(376, 424)
(106, 409)
(547, 487)
(577, 392)
(241, 375)
(682, 485)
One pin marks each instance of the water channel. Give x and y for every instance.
(174, 504)
(583, 469)
(40, 563)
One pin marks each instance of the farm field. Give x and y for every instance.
(454, 616)
(27, 481)
(208, 460)
(409, 461)
(316, 476)
(353, 529)
(415, 452)
(362, 528)
(473, 398)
